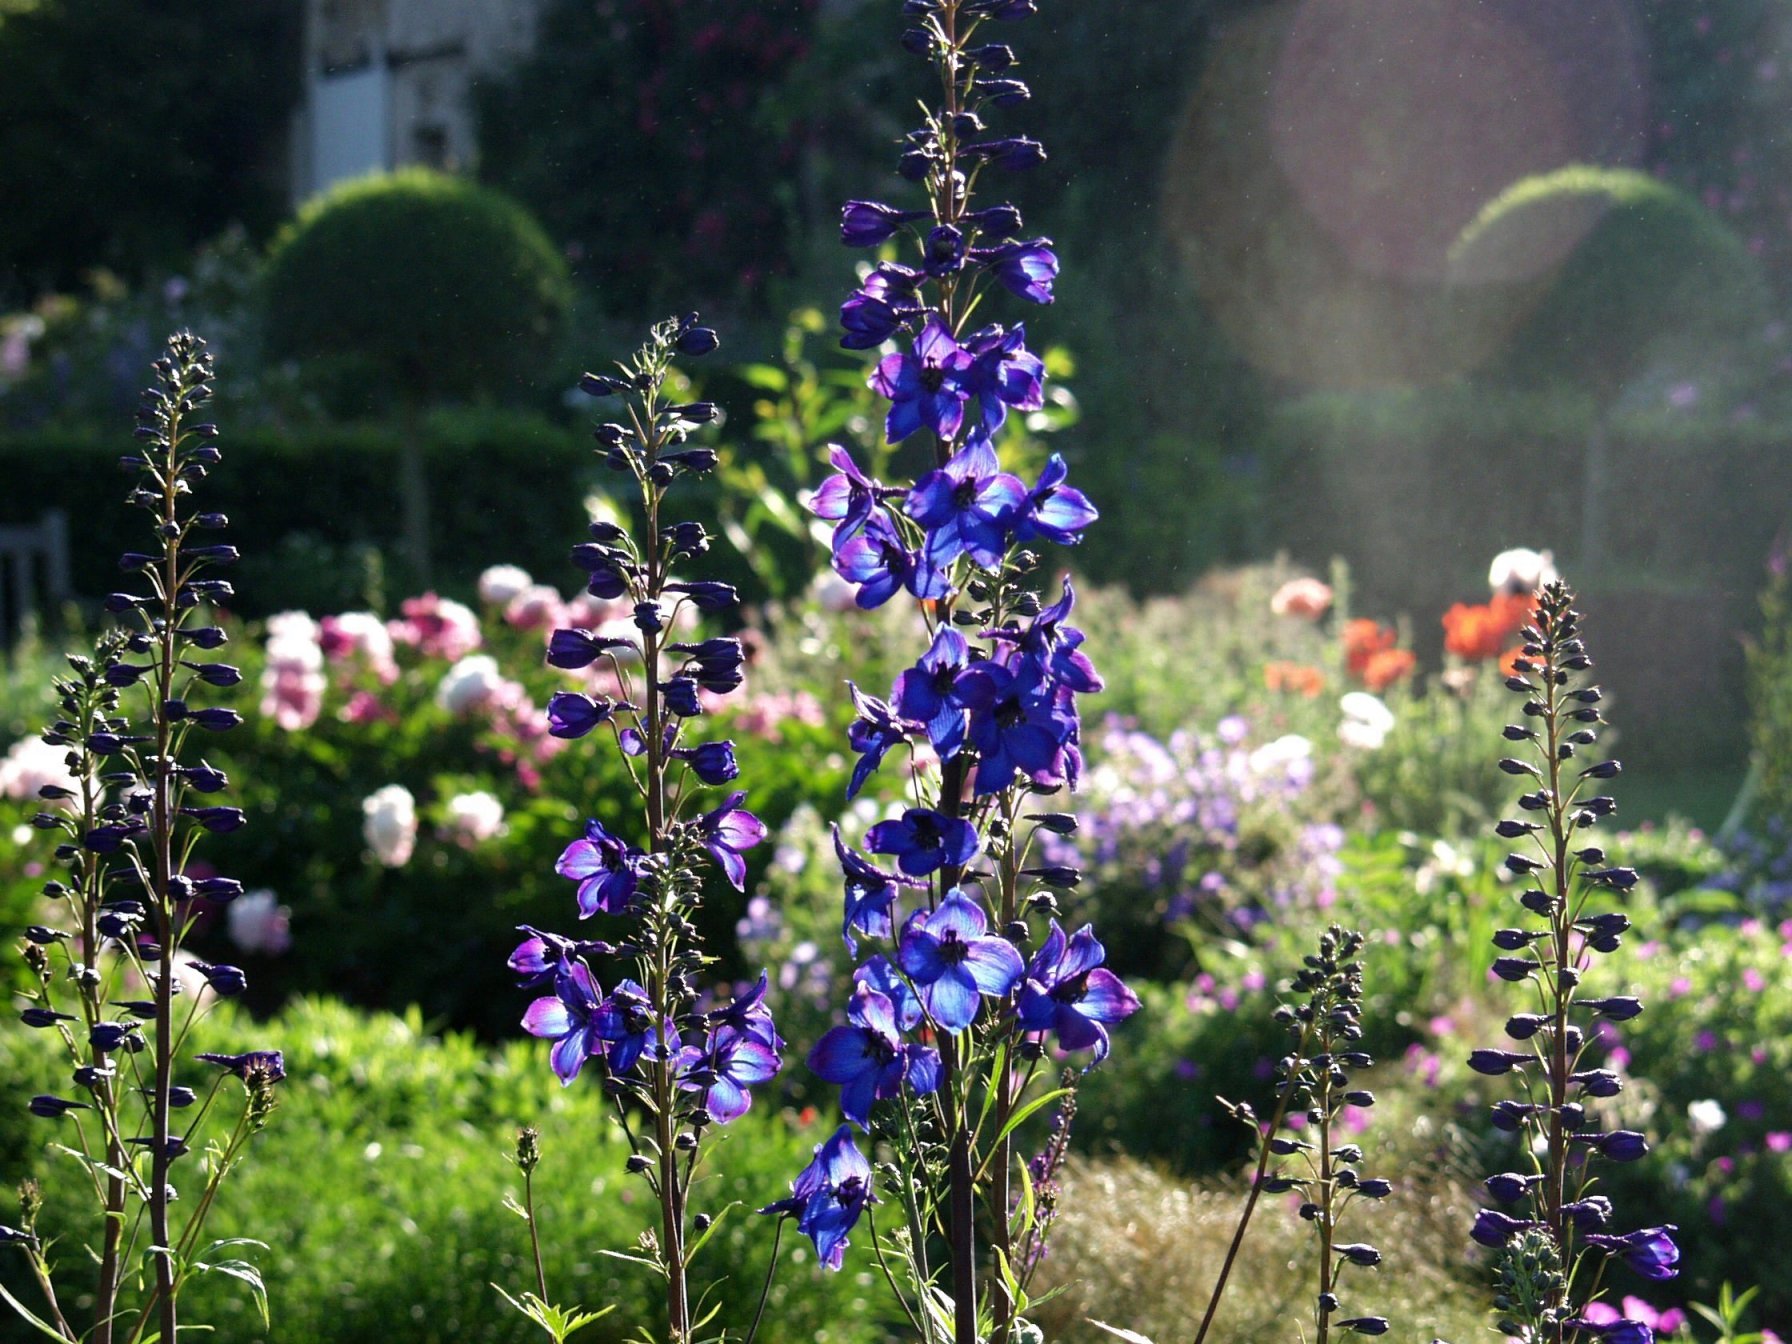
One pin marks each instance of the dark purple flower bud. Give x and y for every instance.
(11, 1236)
(217, 555)
(1620, 1145)
(916, 41)
(708, 596)
(132, 562)
(1617, 1009)
(1375, 1187)
(1598, 1082)
(217, 820)
(694, 342)
(649, 618)
(572, 715)
(1514, 830)
(686, 539)
(580, 648)
(1650, 1251)
(216, 720)
(602, 385)
(176, 1146)
(220, 889)
(994, 57)
(1509, 1186)
(119, 603)
(681, 697)
(713, 762)
(1593, 1211)
(203, 778)
(228, 981)
(1359, 1253)
(1493, 1063)
(1537, 901)
(1514, 940)
(715, 663)
(1002, 92)
(43, 937)
(1619, 879)
(1365, 1325)
(54, 1108)
(697, 412)
(607, 567)
(867, 223)
(44, 1017)
(215, 674)
(697, 460)
(1014, 155)
(110, 1036)
(1523, 865)
(1495, 1229)
(1523, 1026)
(1604, 770)
(1057, 875)
(205, 637)
(123, 675)
(1508, 1116)
(1513, 969)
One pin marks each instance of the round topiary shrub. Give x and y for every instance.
(434, 286)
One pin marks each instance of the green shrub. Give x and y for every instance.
(429, 285)
(379, 1189)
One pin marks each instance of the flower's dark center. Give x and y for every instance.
(1010, 713)
(943, 677)
(965, 493)
(933, 377)
(877, 1049)
(851, 1192)
(1072, 990)
(952, 950)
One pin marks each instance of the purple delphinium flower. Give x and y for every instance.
(1069, 991)
(727, 832)
(1026, 269)
(868, 223)
(872, 734)
(829, 1195)
(927, 387)
(1003, 374)
(726, 1065)
(1014, 727)
(952, 963)
(875, 561)
(965, 507)
(625, 1023)
(607, 870)
(923, 840)
(572, 714)
(1053, 511)
(568, 1017)
(846, 498)
(747, 1013)
(877, 973)
(869, 1059)
(1650, 1251)
(883, 305)
(924, 693)
(271, 1063)
(870, 895)
(541, 955)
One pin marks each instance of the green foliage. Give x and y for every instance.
(477, 306)
(380, 1186)
(321, 507)
(1770, 700)
(1657, 287)
(101, 168)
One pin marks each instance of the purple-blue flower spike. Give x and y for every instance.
(681, 1068)
(1551, 1244)
(995, 693)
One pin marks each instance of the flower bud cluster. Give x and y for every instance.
(127, 824)
(1550, 1227)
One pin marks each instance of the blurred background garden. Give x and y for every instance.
(1361, 298)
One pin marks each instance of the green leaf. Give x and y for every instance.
(25, 1312)
(1031, 1109)
(247, 1273)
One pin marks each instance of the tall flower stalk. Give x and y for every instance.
(673, 1068)
(138, 805)
(946, 1029)
(1553, 1245)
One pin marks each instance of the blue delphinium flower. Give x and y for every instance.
(723, 1068)
(869, 1060)
(874, 731)
(926, 693)
(568, 1017)
(1068, 991)
(728, 832)
(966, 507)
(927, 387)
(870, 895)
(606, 869)
(829, 1196)
(923, 840)
(947, 955)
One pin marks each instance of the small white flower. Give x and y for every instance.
(1706, 1117)
(1521, 571)
(469, 683)
(31, 764)
(259, 923)
(1289, 754)
(474, 818)
(389, 824)
(500, 583)
(1367, 721)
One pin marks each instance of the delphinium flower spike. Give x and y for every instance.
(964, 983)
(673, 1067)
(139, 802)
(1549, 1228)
(1313, 1085)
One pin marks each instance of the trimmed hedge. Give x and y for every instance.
(318, 512)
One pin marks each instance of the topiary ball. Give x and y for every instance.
(434, 286)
